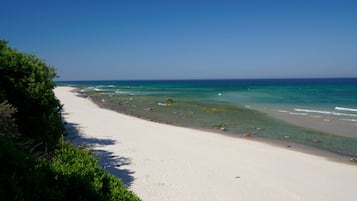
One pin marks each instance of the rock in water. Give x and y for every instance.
(169, 101)
(315, 140)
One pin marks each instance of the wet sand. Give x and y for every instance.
(317, 122)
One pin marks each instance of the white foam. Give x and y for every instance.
(122, 92)
(351, 120)
(295, 113)
(104, 86)
(346, 109)
(162, 104)
(326, 112)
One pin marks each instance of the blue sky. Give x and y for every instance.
(124, 40)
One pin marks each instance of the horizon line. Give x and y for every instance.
(203, 79)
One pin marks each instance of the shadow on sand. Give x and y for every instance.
(107, 160)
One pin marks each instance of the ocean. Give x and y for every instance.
(321, 113)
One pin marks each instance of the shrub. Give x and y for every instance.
(77, 171)
(26, 82)
(70, 173)
(19, 179)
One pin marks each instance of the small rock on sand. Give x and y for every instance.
(353, 160)
(247, 135)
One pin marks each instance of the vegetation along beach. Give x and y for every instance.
(180, 100)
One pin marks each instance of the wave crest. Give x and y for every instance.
(326, 112)
(346, 109)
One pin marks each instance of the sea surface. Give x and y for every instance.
(321, 113)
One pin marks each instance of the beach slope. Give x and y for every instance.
(164, 162)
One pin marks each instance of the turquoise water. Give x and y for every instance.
(239, 107)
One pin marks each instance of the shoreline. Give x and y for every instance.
(175, 163)
(309, 149)
(329, 155)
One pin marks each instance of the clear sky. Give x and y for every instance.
(124, 40)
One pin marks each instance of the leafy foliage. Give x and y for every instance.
(27, 83)
(19, 178)
(77, 171)
(72, 174)
(30, 118)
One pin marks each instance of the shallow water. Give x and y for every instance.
(271, 109)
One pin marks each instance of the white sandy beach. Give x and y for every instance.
(163, 162)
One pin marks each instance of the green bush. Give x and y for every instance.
(30, 118)
(26, 82)
(72, 174)
(19, 178)
(77, 171)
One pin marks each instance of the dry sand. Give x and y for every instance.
(164, 162)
